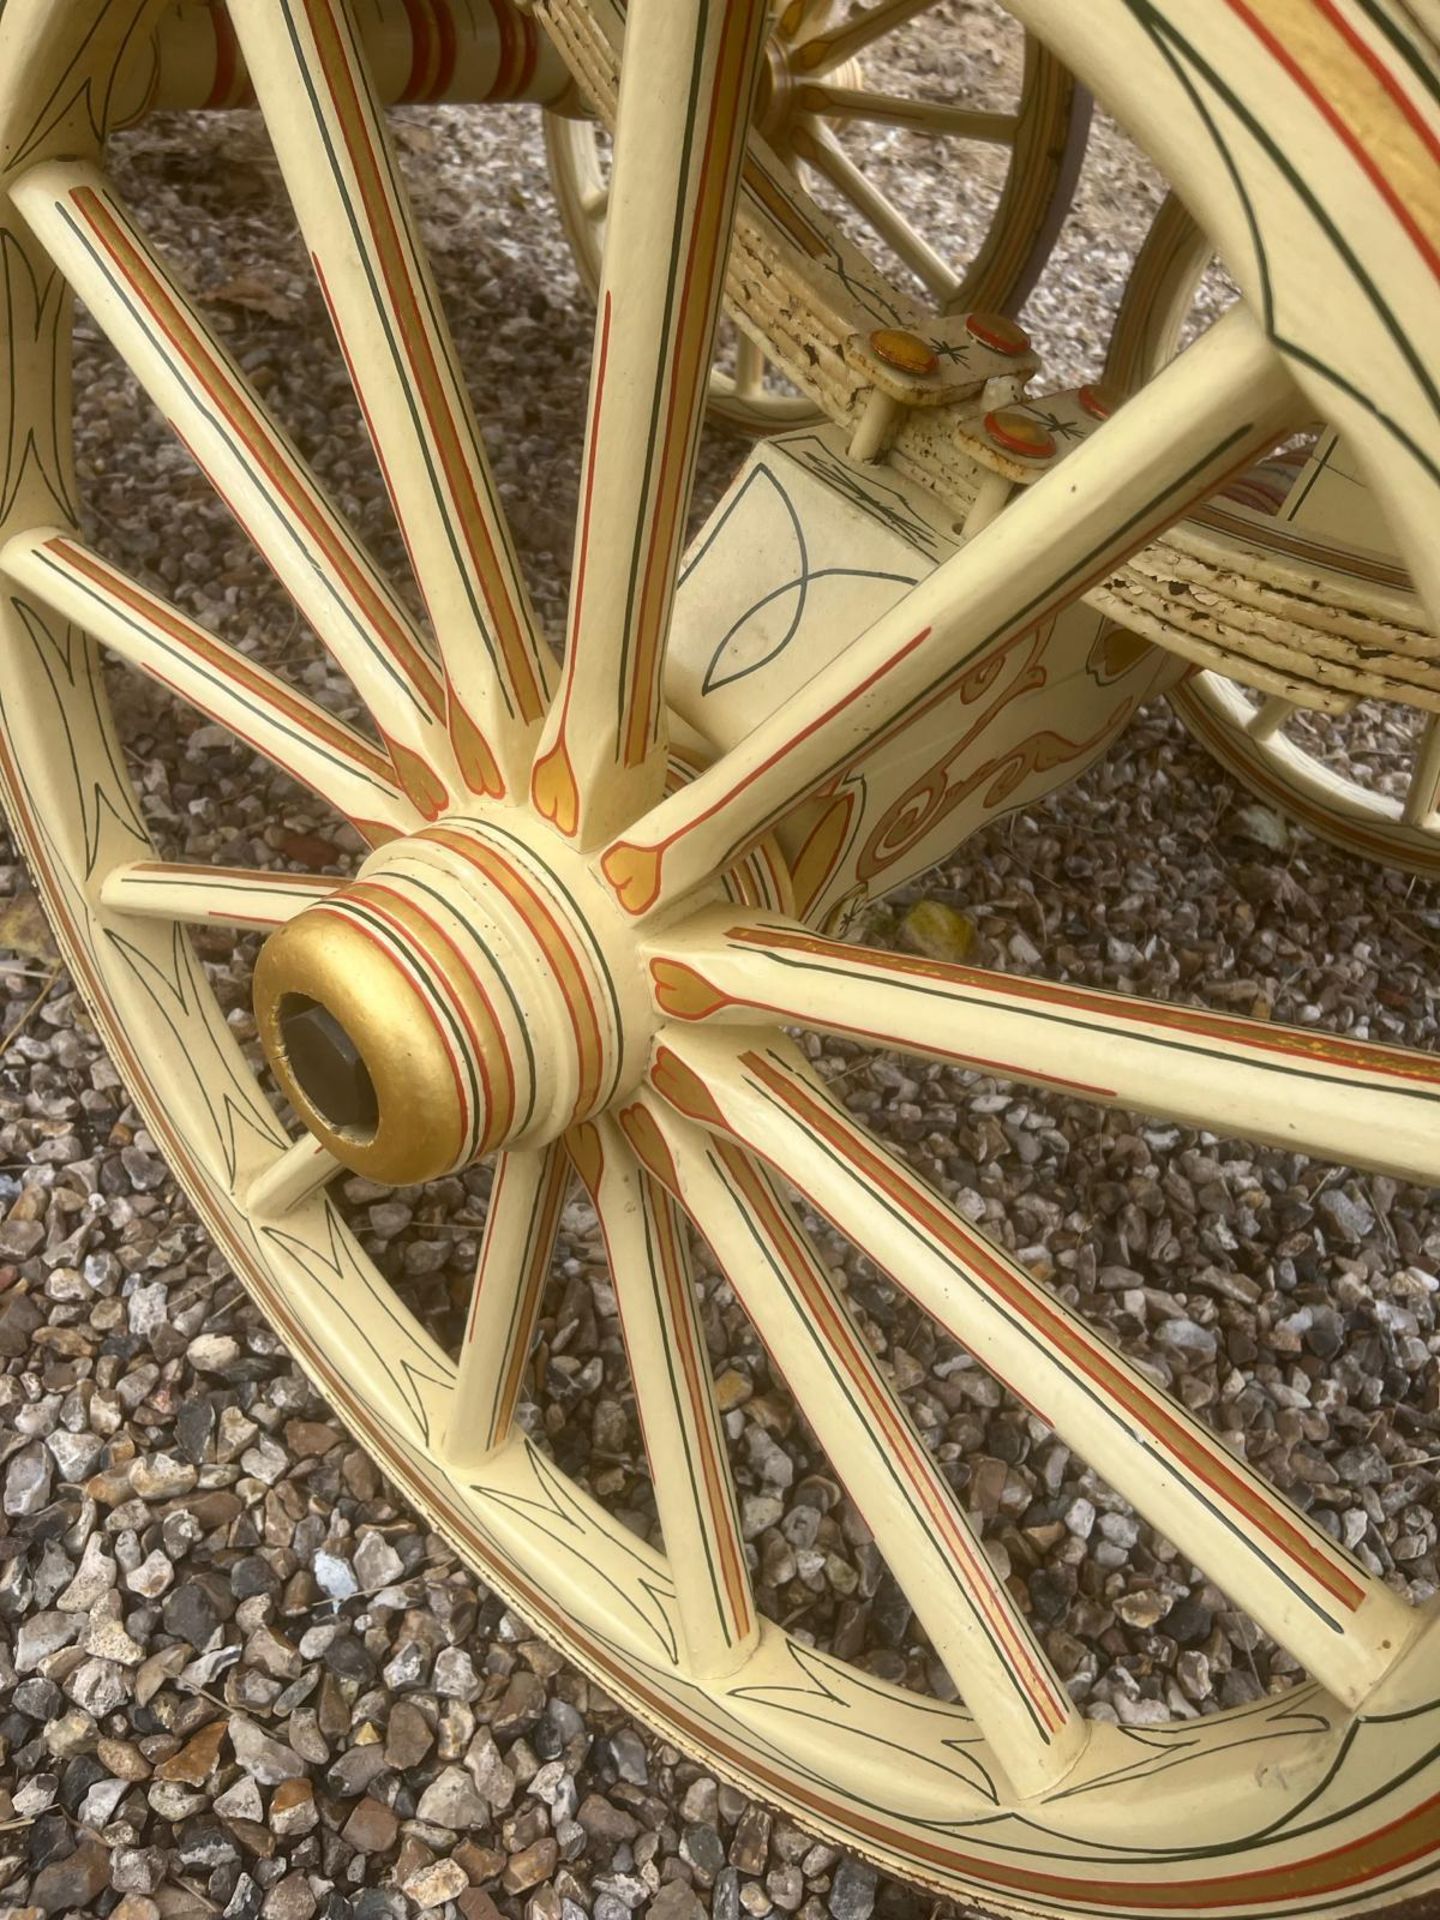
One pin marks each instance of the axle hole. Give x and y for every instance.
(328, 1067)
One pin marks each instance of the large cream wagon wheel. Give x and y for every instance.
(536, 960)
(1262, 739)
(815, 106)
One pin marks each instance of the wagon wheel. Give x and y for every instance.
(536, 961)
(827, 120)
(1269, 743)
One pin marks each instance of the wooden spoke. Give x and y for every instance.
(822, 53)
(254, 704)
(515, 1254)
(1345, 1627)
(820, 147)
(677, 166)
(919, 1526)
(1270, 716)
(1352, 1102)
(941, 117)
(292, 1178)
(1159, 296)
(1205, 416)
(749, 368)
(650, 1271)
(319, 103)
(195, 383)
(211, 896)
(1422, 796)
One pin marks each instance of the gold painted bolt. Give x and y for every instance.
(1019, 433)
(906, 352)
(996, 331)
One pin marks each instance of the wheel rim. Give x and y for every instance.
(813, 97)
(1345, 1817)
(1255, 740)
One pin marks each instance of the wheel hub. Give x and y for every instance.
(782, 96)
(462, 993)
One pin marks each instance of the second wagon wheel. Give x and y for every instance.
(568, 948)
(1370, 780)
(852, 100)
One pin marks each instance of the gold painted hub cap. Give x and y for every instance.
(455, 997)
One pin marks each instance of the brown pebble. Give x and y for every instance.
(529, 1868)
(476, 1904)
(310, 1438)
(371, 1828)
(197, 1759)
(481, 1863)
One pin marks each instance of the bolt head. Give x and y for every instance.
(998, 332)
(906, 352)
(1017, 433)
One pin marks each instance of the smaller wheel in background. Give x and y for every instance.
(1367, 780)
(849, 98)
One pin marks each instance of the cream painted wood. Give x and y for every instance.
(797, 104)
(977, 1628)
(677, 170)
(521, 1223)
(1331, 503)
(675, 1397)
(803, 556)
(293, 1177)
(797, 283)
(210, 896)
(1343, 1624)
(197, 386)
(1349, 1102)
(1209, 413)
(247, 699)
(1318, 1801)
(469, 51)
(306, 62)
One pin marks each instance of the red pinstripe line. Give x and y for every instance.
(831, 1021)
(502, 86)
(253, 431)
(1101, 1367)
(550, 931)
(780, 753)
(415, 81)
(722, 1508)
(401, 958)
(227, 55)
(270, 691)
(425, 364)
(1320, 1048)
(1044, 1689)
(496, 1127)
(446, 51)
(706, 246)
(1270, 1884)
(1328, 111)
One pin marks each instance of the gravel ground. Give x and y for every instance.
(245, 1679)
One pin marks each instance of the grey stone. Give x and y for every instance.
(269, 1761)
(29, 1476)
(376, 1562)
(852, 1891)
(630, 1762)
(453, 1800)
(43, 1634)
